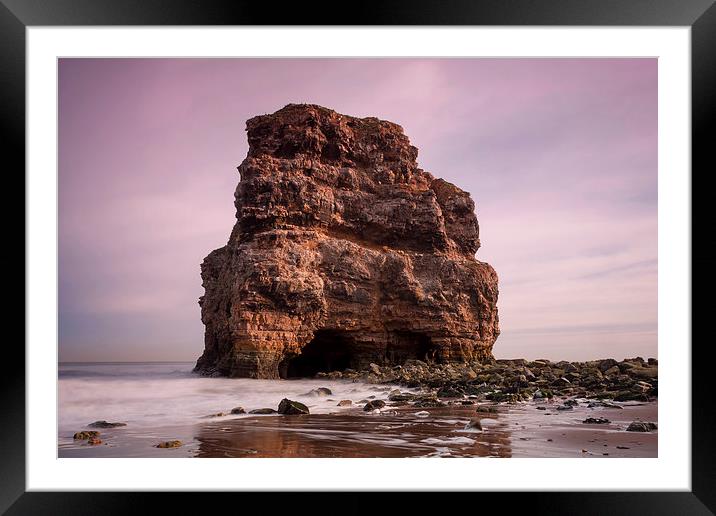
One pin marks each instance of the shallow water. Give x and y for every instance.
(164, 401)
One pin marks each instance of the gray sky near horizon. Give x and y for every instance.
(559, 155)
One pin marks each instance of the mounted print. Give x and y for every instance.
(358, 257)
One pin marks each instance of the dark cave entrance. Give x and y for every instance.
(332, 350)
(328, 351)
(407, 345)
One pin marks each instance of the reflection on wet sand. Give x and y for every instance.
(397, 434)
(536, 429)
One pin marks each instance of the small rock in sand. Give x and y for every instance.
(345, 403)
(401, 396)
(291, 408)
(372, 405)
(605, 404)
(321, 391)
(83, 436)
(596, 421)
(262, 411)
(105, 424)
(474, 424)
(422, 413)
(238, 410)
(449, 392)
(169, 444)
(641, 426)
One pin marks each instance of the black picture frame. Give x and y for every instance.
(700, 15)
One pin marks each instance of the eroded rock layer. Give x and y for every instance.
(344, 253)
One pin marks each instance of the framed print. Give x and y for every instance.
(422, 249)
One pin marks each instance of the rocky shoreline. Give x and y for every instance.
(632, 379)
(577, 395)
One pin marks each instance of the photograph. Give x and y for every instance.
(358, 257)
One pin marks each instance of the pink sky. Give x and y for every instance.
(560, 156)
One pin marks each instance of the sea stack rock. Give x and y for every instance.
(344, 253)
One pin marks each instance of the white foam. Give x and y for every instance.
(448, 440)
(150, 395)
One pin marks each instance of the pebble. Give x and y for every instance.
(373, 405)
(641, 426)
(105, 424)
(262, 411)
(596, 421)
(474, 424)
(169, 444)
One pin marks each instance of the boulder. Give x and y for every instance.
(450, 391)
(607, 363)
(373, 405)
(291, 408)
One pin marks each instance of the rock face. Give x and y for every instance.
(344, 253)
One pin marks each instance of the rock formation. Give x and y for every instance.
(344, 253)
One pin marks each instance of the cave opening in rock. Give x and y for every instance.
(328, 351)
(406, 345)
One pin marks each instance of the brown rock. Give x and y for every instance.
(474, 423)
(373, 405)
(344, 253)
(291, 408)
(262, 411)
(169, 444)
(641, 426)
(105, 424)
(85, 435)
(596, 421)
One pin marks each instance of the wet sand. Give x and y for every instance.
(516, 430)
